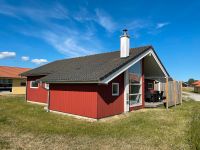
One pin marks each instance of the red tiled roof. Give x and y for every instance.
(11, 72)
(195, 83)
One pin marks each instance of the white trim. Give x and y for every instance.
(39, 103)
(115, 94)
(161, 67)
(75, 116)
(126, 91)
(136, 105)
(135, 94)
(118, 72)
(32, 86)
(45, 86)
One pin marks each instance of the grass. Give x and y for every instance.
(188, 89)
(195, 129)
(28, 126)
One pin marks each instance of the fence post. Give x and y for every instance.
(167, 96)
(175, 93)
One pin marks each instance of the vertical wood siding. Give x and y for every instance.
(109, 105)
(39, 94)
(78, 99)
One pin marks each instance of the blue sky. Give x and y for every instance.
(36, 32)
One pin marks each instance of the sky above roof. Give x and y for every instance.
(37, 32)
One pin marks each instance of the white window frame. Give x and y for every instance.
(32, 86)
(115, 94)
(46, 86)
(140, 93)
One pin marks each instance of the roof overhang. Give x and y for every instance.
(134, 61)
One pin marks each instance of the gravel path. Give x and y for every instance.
(193, 96)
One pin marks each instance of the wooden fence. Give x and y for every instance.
(173, 92)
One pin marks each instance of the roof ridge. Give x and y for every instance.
(102, 53)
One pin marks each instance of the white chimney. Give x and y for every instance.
(124, 44)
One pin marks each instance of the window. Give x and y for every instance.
(115, 89)
(23, 84)
(46, 86)
(6, 85)
(135, 84)
(150, 85)
(5, 81)
(34, 84)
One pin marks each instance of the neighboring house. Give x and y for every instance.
(96, 86)
(10, 81)
(196, 86)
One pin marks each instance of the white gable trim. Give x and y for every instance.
(124, 68)
(159, 63)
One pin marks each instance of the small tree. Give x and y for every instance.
(190, 81)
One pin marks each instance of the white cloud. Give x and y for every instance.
(72, 45)
(25, 58)
(39, 61)
(35, 12)
(4, 55)
(161, 25)
(65, 39)
(100, 17)
(105, 20)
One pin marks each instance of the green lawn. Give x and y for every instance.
(188, 89)
(28, 126)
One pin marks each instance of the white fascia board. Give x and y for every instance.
(159, 63)
(124, 68)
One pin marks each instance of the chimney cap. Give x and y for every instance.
(125, 33)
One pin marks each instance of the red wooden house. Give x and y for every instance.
(96, 86)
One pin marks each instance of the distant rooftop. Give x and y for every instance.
(12, 72)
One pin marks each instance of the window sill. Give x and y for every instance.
(135, 105)
(33, 87)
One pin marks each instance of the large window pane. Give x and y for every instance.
(135, 73)
(135, 99)
(134, 89)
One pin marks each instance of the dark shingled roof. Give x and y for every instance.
(92, 68)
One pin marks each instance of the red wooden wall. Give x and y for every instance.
(89, 100)
(39, 94)
(78, 99)
(109, 105)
